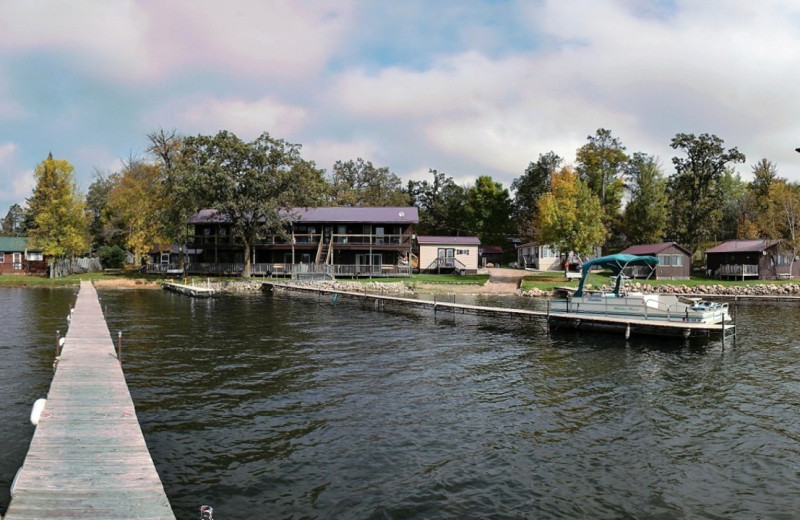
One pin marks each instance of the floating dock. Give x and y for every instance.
(189, 290)
(88, 458)
(556, 320)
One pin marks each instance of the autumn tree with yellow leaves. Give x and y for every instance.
(59, 226)
(570, 217)
(135, 205)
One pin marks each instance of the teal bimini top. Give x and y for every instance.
(616, 263)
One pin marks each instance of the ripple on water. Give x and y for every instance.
(290, 407)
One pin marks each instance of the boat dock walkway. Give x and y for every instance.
(88, 457)
(189, 290)
(569, 320)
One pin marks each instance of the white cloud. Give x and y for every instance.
(326, 152)
(129, 40)
(246, 119)
(19, 181)
(723, 69)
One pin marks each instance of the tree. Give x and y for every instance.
(59, 224)
(134, 205)
(13, 221)
(694, 189)
(782, 216)
(488, 210)
(527, 189)
(180, 200)
(97, 206)
(359, 183)
(252, 184)
(570, 216)
(756, 199)
(441, 205)
(645, 216)
(733, 205)
(601, 164)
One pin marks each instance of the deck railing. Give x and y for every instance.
(737, 270)
(294, 270)
(200, 241)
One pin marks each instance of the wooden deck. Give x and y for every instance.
(189, 290)
(570, 320)
(88, 458)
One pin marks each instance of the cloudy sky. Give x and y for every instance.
(467, 87)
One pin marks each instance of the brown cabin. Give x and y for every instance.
(761, 258)
(674, 260)
(16, 258)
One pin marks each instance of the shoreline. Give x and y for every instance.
(492, 287)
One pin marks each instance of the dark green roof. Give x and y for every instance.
(13, 244)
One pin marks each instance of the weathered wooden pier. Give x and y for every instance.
(88, 457)
(196, 291)
(625, 325)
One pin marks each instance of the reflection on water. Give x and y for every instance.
(290, 406)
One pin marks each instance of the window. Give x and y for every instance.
(34, 256)
(549, 252)
(2, 257)
(670, 260)
(464, 252)
(16, 259)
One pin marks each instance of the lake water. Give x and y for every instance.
(291, 406)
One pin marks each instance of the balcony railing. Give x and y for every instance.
(201, 241)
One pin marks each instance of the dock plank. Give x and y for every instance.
(88, 457)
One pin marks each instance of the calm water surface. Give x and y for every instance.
(288, 406)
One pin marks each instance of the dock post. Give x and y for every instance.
(58, 343)
(628, 331)
(723, 332)
(119, 346)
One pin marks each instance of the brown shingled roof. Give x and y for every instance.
(743, 246)
(387, 215)
(472, 241)
(653, 249)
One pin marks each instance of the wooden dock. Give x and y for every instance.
(189, 290)
(558, 319)
(88, 458)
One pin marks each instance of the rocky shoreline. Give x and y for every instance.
(776, 290)
(401, 288)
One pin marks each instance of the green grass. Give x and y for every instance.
(13, 280)
(449, 279)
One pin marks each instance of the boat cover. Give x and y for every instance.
(616, 263)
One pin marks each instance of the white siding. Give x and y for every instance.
(429, 252)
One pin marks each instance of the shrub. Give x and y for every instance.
(111, 257)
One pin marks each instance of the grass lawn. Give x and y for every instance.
(14, 280)
(449, 279)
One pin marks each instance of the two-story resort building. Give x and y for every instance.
(330, 241)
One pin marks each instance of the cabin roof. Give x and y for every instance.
(743, 246)
(388, 215)
(13, 244)
(653, 249)
(468, 241)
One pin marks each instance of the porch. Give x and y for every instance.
(737, 271)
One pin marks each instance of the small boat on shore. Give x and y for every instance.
(636, 305)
